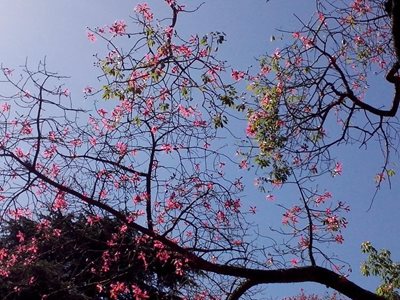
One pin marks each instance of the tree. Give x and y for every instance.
(380, 264)
(152, 156)
(78, 257)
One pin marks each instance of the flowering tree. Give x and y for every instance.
(318, 83)
(152, 155)
(74, 257)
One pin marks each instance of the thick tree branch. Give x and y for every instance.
(254, 276)
(292, 275)
(392, 7)
(242, 288)
(391, 77)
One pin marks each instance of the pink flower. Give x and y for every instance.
(167, 148)
(270, 197)
(93, 220)
(203, 52)
(139, 294)
(88, 90)
(5, 107)
(20, 237)
(133, 78)
(332, 223)
(52, 136)
(221, 217)
(54, 170)
(169, 31)
(338, 169)
(59, 201)
(27, 94)
(170, 2)
(93, 141)
(237, 242)
(265, 70)
(19, 153)
(250, 130)
(199, 123)
(339, 239)
(66, 92)
(103, 194)
(243, 164)
(26, 128)
(49, 152)
(122, 148)
(118, 28)
(321, 17)
(307, 42)
(123, 228)
(178, 267)
(296, 35)
(102, 112)
(154, 129)
(7, 71)
(321, 198)
(91, 36)
(359, 40)
(277, 54)
(144, 9)
(237, 75)
(186, 51)
(19, 212)
(126, 105)
(76, 142)
(57, 232)
(294, 262)
(304, 242)
(137, 199)
(99, 287)
(117, 289)
(172, 204)
(290, 216)
(185, 112)
(379, 178)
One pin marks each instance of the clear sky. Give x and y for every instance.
(34, 29)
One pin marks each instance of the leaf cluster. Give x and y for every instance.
(380, 263)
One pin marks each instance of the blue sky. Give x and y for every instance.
(32, 29)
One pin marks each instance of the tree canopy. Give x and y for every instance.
(79, 257)
(143, 196)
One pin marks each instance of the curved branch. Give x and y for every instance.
(392, 78)
(242, 288)
(294, 275)
(254, 276)
(376, 111)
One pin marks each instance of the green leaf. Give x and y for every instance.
(137, 121)
(227, 100)
(184, 92)
(155, 75)
(203, 41)
(390, 172)
(164, 106)
(150, 42)
(262, 161)
(107, 94)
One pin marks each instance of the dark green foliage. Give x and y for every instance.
(70, 261)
